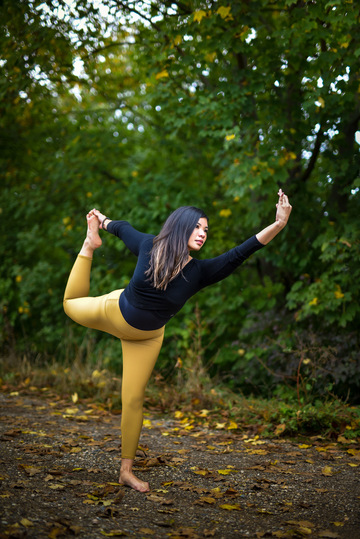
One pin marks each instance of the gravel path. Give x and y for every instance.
(59, 466)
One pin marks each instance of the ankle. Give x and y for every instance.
(86, 249)
(126, 466)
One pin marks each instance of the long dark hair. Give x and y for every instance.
(170, 252)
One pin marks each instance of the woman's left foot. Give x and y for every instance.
(130, 480)
(92, 236)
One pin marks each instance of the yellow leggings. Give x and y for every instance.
(140, 348)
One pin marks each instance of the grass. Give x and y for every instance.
(190, 395)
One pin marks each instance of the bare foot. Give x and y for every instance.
(128, 478)
(92, 240)
(92, 235)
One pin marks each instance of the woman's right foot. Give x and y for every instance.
(130, 480)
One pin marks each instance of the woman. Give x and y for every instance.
(165, 277)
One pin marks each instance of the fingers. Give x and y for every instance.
(283, 199)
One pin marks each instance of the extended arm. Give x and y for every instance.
(283, 210)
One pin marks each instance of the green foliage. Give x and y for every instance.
(203, 103)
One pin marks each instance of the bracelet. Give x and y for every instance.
(103, 221)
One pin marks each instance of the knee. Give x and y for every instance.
(133, 401)
(68, 310)
(66, 306)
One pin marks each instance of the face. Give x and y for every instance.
(199, 235)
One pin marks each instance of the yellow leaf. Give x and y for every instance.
(232, 425)
(147, 423)
(27, 523)
(280, 429)
(113, 533)
(228, 507)
(303, 446)
(224, 11)
(198, 15)
(224, 472)
(177, 40)
(71, 411)
(224, 213)
(201, 472)
(322, 102)
(313, 301)
(75, 398)
(338, 293)
(162, 74)
(327, 470)
(210, 56)
(220, 425)
(230, 137)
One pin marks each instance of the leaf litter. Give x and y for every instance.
(59, 466)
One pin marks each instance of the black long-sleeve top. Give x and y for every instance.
(146, 307)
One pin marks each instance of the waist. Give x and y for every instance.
(140, 318)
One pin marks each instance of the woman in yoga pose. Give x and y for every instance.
(165, 277)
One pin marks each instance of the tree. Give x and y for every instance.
(186, 102)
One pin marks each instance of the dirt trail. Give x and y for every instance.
(59, 465)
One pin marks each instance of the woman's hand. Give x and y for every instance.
(283, 209)
(99, 215)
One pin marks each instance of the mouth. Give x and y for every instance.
(199, 242)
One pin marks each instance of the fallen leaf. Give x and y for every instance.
(113, 533)
(228, 507)
(31, 470)
(280, 429)
(27, 523)
(327, 471)
(205, 500)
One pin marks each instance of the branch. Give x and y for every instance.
(130, 9)
(314, 156)
(100, 49)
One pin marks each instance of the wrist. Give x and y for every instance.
(104, 221)
(280, 224)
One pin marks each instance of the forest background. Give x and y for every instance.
(137, 108)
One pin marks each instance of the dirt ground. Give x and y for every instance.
(59, 465)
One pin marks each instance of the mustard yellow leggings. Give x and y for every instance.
(140, 348)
